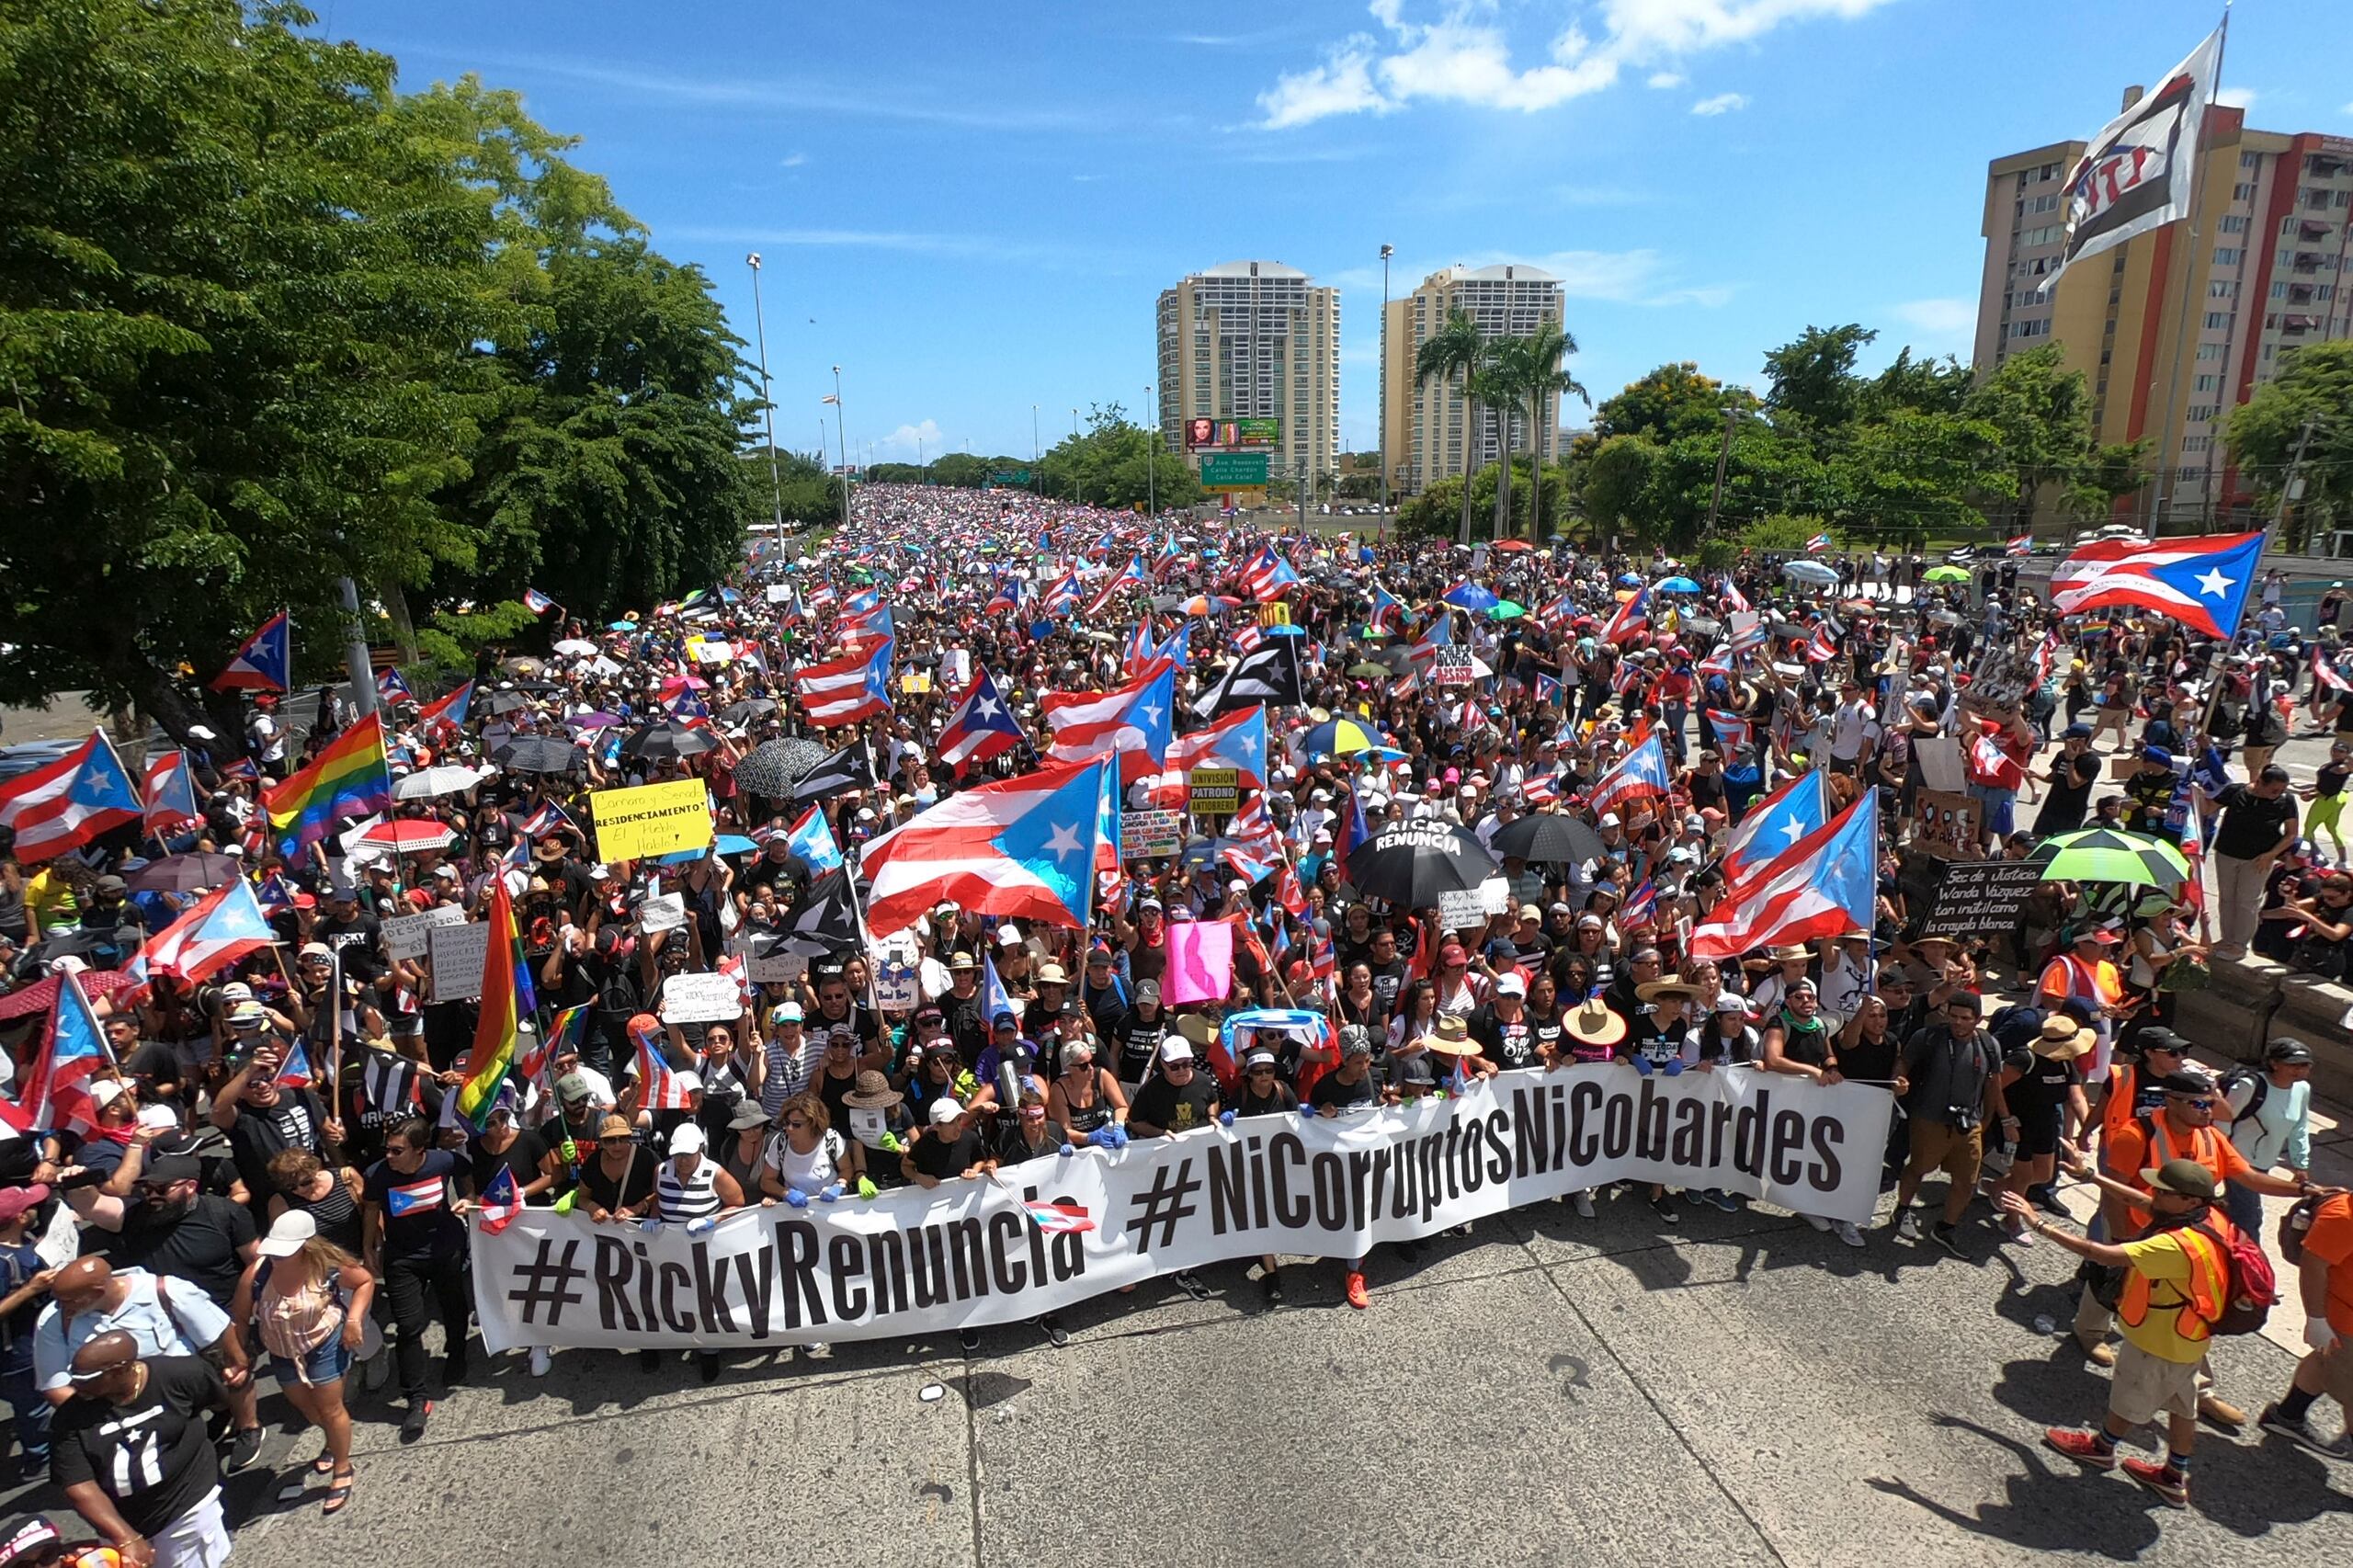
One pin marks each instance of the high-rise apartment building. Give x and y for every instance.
(1254, 339)
(1423, 440)
(2175, 328)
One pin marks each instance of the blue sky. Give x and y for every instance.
(971, 208)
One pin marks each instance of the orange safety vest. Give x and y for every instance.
(2204, 1149)
(2202, 1294)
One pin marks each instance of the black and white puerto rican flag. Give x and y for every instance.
(2141, 170)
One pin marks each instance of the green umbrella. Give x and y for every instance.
(1371, 671)
(1945, 575)
(2105, 855)
(1503, 609)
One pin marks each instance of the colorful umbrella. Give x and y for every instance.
(409, 836)
(1341, 737)
(1945, 575)
(2107, 855)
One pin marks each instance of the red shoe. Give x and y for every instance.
(1358, 1296)
(2162, 1479)
(2084, 1448)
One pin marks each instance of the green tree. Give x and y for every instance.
(1673, 401)
(1811, 381)
(2041, 418)
(1531, 368)
(1454, 353)
(2314, 390)
(1924, 386)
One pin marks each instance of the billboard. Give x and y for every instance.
(1243, 433)
(1227, 471)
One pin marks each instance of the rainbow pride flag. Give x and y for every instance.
(351, 777)
(507, 1000)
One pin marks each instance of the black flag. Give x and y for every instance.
(825, 921)
(846, 769)
(1268, 674)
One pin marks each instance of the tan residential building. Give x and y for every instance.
(1254, 339)
(1424, 435)
(2174, 329)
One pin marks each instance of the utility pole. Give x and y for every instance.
(362, 670)
(842, 439)
(1302, 496)
(2290, 484)
(1386, 252)
(1724, 461)
(767, 397)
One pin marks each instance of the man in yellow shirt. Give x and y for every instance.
(2176, 1284)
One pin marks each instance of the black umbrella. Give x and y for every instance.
(507, 703)
(1550, 838)
(1414, 862)
(184, 873)
(749, 708)
(772, 765)
(659, 742)
(538, 754)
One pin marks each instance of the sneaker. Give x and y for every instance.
(1191, 1283)
(413, 1424)
(540, 1360)
(1849, 1233)
(1583, 1203)
(1358, 1296)
(244, 1448)
(32, 1466)
(1665, 1210)
(2086, 1448)
(1270, 1286)
(1056, 1336)
(2301, 1433)
(1723, 1199)
(970, 1338)
(818, 1351)
(2170, 1484)
(1816, 1220)
(1948, 1238)
(1907, 1226)
(2046, 1198)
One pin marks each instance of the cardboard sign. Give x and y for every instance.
(606, 668)
(1149, 836)
(766, 964)
(663, 911)
(1938, 759)
(956, 669)
(406, 935)
(700, 999)
(1949, 824)
(1979, 898)
(779, 592)
(1453, 667)
(457, 953)
(1215, 791)
(651, 819)
(1471, 906)
(895, 988)
(916, 681)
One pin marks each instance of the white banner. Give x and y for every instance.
(457, 954)
(406, 935)
(969, 1252)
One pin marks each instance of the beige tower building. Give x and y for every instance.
(1254, 339)
(2175, 328)
(1423, 437)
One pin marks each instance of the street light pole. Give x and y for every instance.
(1152, 461)
(768, 396)
(1037, 456)
(841, 435)
(1386, 252)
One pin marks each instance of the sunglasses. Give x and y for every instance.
(2194, 1104)
(1033, 1113)
(791, 1121)
(618, 1143)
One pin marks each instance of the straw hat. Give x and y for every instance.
(2062, 1040)
(1652, 990)
(1594, 1023)
(1449, 1036)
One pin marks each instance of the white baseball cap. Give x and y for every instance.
(288, 1233)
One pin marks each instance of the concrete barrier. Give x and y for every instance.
(2255, 1001)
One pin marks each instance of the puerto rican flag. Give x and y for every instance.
(223, 926)
(449, 710)
(1064, 595)
(391, 688)
(1246, 636)
(2046, 654)
(1717, 662)
(1439, 634)
(1642, 776)
(170, 790)
(2325, 677)
(1822, 886)
(1641, 912)
(663, 1090)
(549, 818)
(1541, 790)
(1006, 598)
(1822, 647)
(1237, 741)
(2201, 583)
(1773, 825)
(1267, 576)
(500, 1201)
(1058, 1219)
(1138, 656)
(49, 1090)
(846, 690)
(536, 602)
(1817, 544)
(2022, 545)
(417, 1197)
(1632, 617)
(1133, 721)
(981, 727)
(69, 802)
(262, 663)
(295, 1072)
(1388, 611)
(1730, 728)
(1734, 600)
(1021, 849)
(812, 838)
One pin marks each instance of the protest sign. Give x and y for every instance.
(766, 964)
(663, 912)
(1938, 759)
(457, 953)
(1149, 836)
(1215, 791)
(1948, 824)
(916, 683)
(1044, 1235)
(700, 999)
(651, 819)
(896, 990)
(404, 934)
(1453, 667)
(1471, 906)
(1979, 898)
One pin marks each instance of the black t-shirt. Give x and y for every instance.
(1388, 980)
(1871, 1063)
(2070, 784)
(359, 944)
(2251, 825)
(1330, 1091)
(522, 1157)
(151, 1457)
(414, 1209)
(261, 1132)
(945, 1159)
(2039, 1094)
(1161, 1104)
(201, 1244)
(1139, 1041)
(1507, 1044)
(157, 1063)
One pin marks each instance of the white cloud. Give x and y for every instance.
(1943, 319)
(1663, 80)
(2236, 97)
(1463, 56)
(925, 437)
(1722, 103)
(1640, 276)
(793, 160)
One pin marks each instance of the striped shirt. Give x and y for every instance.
(695, 1197)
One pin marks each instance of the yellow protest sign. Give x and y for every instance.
(651, 819)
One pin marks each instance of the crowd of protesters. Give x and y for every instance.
(268, 1179)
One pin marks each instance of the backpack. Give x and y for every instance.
(2249, 1286)
(2238, 1076)
(2014, 1028)
(2293, 1225)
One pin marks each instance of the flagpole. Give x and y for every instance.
(106, 1046)
(2162, 494)
(335, 1029)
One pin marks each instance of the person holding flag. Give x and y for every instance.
(415, 1244)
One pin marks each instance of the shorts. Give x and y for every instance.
(1998, 803)
(323, 1365)
(2149, 1386)
(1941, 1146)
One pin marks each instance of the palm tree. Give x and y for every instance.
(1455, 350)
(1543, 377)
(1502, 377)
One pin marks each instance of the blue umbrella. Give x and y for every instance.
(1677, 586)
(729, 844)
(1631, 580)
(620, 626)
